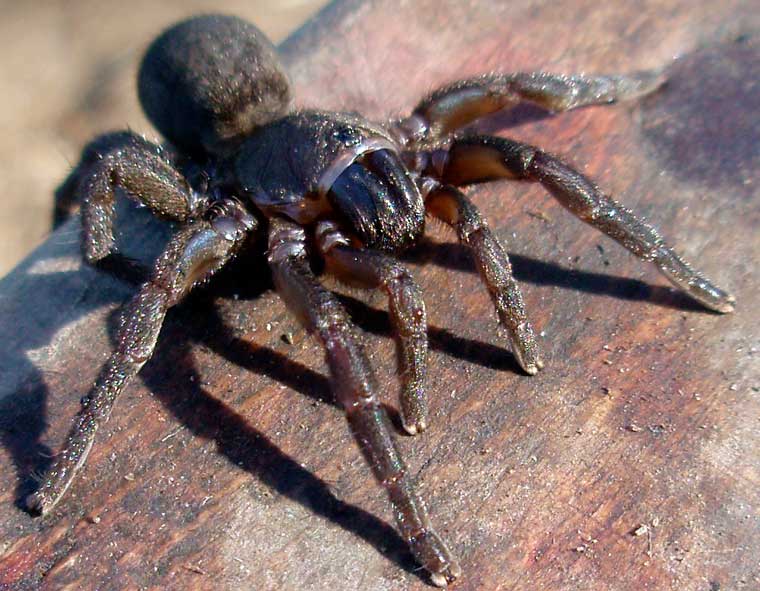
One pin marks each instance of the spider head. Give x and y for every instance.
(209, 81)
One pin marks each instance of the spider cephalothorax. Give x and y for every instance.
(240, 161)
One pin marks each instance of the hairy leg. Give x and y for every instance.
(122, 161)
(478, 158)
(460, 103)
(375, 270)
(450, 205)
(191, 257)
(354, 385)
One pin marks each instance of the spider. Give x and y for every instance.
(239, 162)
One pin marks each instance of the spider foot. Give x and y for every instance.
(727, 305)
(693, 283)
(533, 368)
(712, 296)
(40, 502)
(625, 88)
(414, 409)
(413, 427)
(430, 550)
(525, 348)
(449, 575)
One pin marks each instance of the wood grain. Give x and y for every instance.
(629, 463)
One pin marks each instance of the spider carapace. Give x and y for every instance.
(239, 161)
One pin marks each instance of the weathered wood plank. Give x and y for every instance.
(226, 466)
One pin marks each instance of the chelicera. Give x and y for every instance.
(239, 162)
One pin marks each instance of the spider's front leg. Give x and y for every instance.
(354, 385)
(479, 158)
(460, 103)
(191, 257)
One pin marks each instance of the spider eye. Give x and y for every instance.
(347, 136)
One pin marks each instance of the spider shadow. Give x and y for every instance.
(244, 446)
(68, 295)
(377, 322)
(537, 272)
(23, 420)
(23, 384)
(23, 415)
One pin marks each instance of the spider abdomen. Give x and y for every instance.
(208, 81)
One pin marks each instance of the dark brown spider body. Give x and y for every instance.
(214, 83)
(313, 165)
(352, 190)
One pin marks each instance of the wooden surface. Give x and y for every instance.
(629, 463)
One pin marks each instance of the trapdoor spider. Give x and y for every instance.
(354, 192)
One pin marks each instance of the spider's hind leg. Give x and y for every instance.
(479, 158)
(121, 161)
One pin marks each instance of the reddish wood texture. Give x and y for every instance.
(630, 462)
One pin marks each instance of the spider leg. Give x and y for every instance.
(477, 158)
(372, 270)
(354, 385)
(460, 103)
(450, 205)
(191, 257)
(125, 161)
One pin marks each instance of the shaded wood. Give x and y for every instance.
(630, 462)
